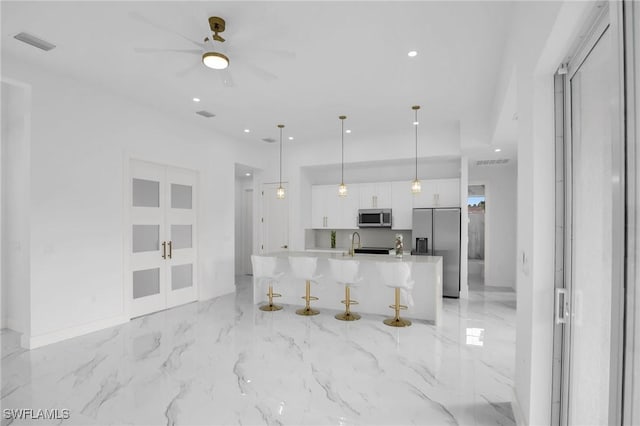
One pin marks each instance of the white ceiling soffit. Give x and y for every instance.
(301, 63)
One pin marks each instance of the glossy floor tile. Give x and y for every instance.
(224, 362)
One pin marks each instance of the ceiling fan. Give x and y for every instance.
(214, 53)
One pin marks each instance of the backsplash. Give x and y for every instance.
(321, 238)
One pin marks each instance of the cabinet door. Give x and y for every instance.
(402, 205)
(318, 206)
(426, 198)
(332, 207)
(448, 194)
(367, 196)
(349, 208)
(382, 195)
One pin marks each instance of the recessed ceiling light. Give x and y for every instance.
(290, 138)
(196, 99)
(497, 150)
(415, 123)
(247, 174)
(412, 53)
(347, 131)
(247, 130)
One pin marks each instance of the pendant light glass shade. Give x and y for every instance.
(280, 193)
(342, 189)
(416, 187)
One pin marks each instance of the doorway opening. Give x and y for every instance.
(476, 203)
(244, 178)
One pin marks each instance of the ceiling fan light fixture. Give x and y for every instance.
(215, 60)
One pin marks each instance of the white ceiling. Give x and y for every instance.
(350, 58)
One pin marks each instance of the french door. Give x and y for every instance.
(162, 237)
(590, 302)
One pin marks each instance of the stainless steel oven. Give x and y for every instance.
(374, 218)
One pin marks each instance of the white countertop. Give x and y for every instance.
(340, 254)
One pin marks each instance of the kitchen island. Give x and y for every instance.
(373, 295)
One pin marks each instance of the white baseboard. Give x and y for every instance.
(518, 415)
(75, 331)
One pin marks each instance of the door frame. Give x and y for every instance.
(608, 19)
(127, 279)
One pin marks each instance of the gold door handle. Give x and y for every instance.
(170, 249)
(164, 249)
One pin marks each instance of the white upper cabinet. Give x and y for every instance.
(329, 211)
(438, 193)
(402, 205)
(318, 206)
(375, 195)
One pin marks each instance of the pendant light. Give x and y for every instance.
(342, 189)
(415, 185)
(280, 191)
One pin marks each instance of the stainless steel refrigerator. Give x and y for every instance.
(436, 232)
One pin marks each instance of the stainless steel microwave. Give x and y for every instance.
(374, 218)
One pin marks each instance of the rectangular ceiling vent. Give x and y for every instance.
(206, 114)
(492, 162)
(34, 41)
(268, 140)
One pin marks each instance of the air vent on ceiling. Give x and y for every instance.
(492, 162)
(268, 140)
(34, 41)
(206, 114)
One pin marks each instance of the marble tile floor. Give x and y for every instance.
(225, 362)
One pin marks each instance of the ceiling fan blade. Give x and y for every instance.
(250, 51)
(188, 70)
(139, 17)
(260, 72)
(159, 50)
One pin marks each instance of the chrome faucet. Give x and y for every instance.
(353, 236)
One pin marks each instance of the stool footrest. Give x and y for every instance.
(399, 306)
(351, 302)
(310, 298)
(275, 295)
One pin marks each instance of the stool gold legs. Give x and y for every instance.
(271, 306)
(347, 315)
(307, 310)
(397, 321)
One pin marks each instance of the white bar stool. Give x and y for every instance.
(304, 268)
(345, 272)
(397, 275)
(264, 270)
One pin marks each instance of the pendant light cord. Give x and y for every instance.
(280, 126)
(416, 126)
(342, 161)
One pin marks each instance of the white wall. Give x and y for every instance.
(15, 204)
(500, 222)
(82, 139)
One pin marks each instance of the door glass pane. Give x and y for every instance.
(146, 238)
(180, 196)
(181, 236)
(592, 89)
(146, 193)
(146, 282)
(181, 276)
